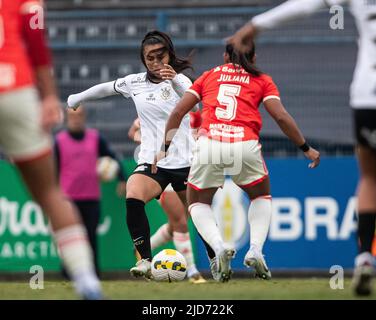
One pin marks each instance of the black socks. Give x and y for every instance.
(138, 225)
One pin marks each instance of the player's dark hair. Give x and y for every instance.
(244, 59)
(158, 37)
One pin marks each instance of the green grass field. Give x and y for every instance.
(244, 289)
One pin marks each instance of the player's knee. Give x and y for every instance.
(135, 194)
(177, 221)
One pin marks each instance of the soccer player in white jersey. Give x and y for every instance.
(176, 228)
(362, 100)
(155, 94)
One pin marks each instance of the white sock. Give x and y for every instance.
(160, 237)
(259, 216)
(77, 256)
(182, 242)
(204, 220)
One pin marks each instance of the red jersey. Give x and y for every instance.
(15, 64)
(231, 98)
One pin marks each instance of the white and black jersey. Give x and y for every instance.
(154, 103)
(363, 87)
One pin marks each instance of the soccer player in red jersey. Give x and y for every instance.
(29, 108)
(229, 145)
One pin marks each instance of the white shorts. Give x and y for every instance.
(213, 160)
(21, 135)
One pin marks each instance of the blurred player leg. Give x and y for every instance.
(30, 147)
(170, 205)
(161, 236)
(366, 226)
(70, 235)
(181, 236)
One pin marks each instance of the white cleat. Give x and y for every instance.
(363, 272)
(255, 259)
(142, 269)
(224, 264)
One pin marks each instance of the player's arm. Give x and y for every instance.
(40, 59)
(289, 127)
(96, 92)
(134, 132)
(287, 11)
(184, 106)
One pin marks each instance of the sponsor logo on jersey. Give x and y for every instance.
(137, 80)
(150, 97)
(122, 84)
(165, 93)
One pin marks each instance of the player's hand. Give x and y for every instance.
(52, 113)
(159, 156)
(121, 189)
(73, 102)
(242, 39)
(314, 156)
(167, 73)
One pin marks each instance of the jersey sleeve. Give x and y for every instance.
(196, 88)
(270, 90)
(122, 86)
(181, 83)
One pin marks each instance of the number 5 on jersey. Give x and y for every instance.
(227, 97)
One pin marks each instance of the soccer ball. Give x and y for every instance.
(169, 265)
(107, 168)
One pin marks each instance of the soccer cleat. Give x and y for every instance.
(142, 269)
(196, 278)
(255, 259)
(224, 264)
(362, 278)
